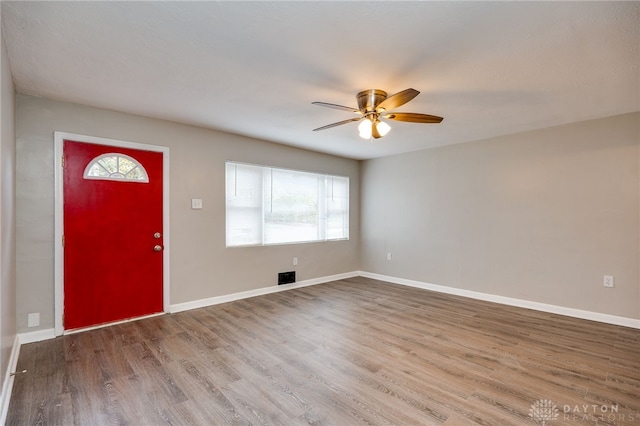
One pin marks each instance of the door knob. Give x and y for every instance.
(157, 248)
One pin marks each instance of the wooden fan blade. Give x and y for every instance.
(413, 117)
(400, 98)
(339, 123)
(340, 107)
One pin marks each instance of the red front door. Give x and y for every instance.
(112, 234)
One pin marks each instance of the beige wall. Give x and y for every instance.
(539, 216)
(7, 213)
(201, 266)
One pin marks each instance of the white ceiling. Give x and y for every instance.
(253, 68)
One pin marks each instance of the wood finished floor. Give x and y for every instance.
(355, 351)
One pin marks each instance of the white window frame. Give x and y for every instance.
(262, 199)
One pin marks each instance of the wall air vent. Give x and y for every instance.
(286, 277)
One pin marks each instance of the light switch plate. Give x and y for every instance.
(196, 203)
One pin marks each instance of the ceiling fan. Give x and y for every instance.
(373, 104)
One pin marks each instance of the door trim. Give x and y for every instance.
(59, 138)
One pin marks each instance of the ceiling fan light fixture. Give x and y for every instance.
(365, 129)
(383, 128)
(374, 104)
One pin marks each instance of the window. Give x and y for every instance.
(266, 205)
(114, 166)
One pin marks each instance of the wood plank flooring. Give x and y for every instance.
(355, 351)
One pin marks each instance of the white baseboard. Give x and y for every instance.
(36, 336)
(7, 385)
(201, 303)
(544, 307)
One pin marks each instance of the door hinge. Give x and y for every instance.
(63, 161)
(63, 241)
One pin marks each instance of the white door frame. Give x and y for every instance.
(59, 138)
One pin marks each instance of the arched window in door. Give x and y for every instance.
(114, 166)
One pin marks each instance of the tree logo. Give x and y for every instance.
(543, 411)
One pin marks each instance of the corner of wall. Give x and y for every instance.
(9, 346)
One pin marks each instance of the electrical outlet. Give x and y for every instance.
(33, 320)
(295, 261)
(608, 281)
